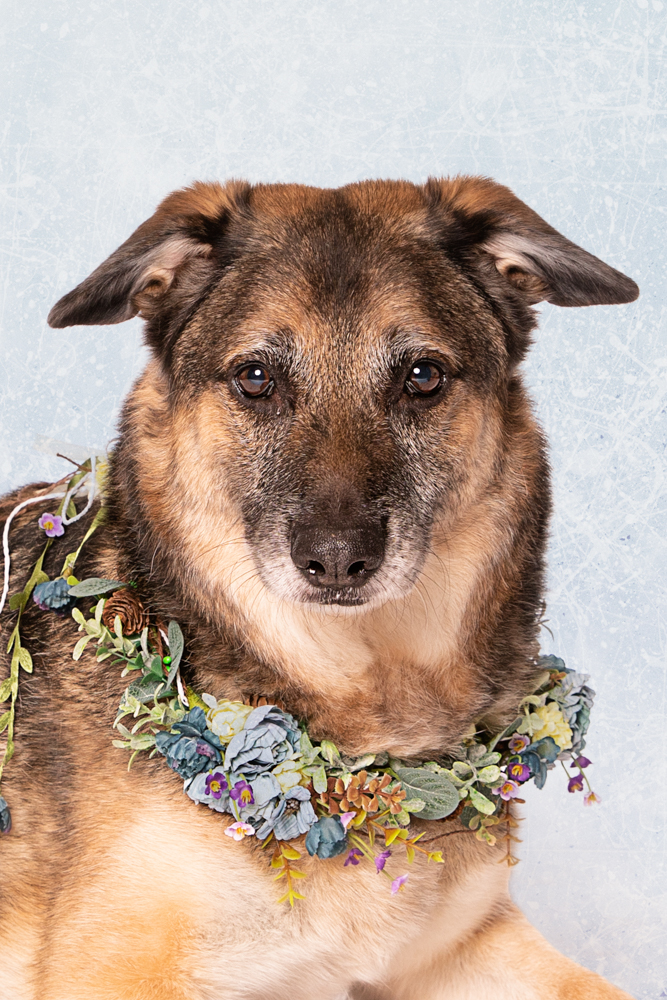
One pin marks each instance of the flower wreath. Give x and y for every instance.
(258, 764)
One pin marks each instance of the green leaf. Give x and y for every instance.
(17, 601)
(5, 689)
(468, 814)
(320, 780)
(95, 585)
(25, 659)
(480, 802)
(489, 775)
(435, 790)
(176, 645)
(330, 751)
(4, 721)
(80, 646)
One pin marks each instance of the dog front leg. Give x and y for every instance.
(505, 959)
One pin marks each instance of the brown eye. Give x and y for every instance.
(424, 379)
(254, 380)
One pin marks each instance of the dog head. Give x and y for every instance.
(334, 389)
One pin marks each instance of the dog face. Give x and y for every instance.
(342, 369)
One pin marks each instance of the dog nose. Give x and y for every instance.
(344, 557)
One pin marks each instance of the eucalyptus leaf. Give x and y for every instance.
(4, 721)
(5, 689)
(95, 585)
(437, 791)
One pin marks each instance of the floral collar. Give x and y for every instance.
(259, 766)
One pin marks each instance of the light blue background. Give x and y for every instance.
(106, 106)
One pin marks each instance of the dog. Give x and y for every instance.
(330, 475)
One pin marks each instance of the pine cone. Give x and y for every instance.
(127, 605)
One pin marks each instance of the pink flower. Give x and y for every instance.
(508, 790)
(346, 819)
(518, 743)
(398, 884)
(591, 799)
(240, 830)
(52, 525)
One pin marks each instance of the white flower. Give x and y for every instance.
(227, 719)
(288, 774)
(554, 725)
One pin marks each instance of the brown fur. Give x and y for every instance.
(114, 884)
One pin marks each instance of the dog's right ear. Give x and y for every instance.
(165, 265)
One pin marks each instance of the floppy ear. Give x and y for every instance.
(166, 264)
(529, 254)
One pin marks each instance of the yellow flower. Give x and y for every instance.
(228, 718)
(288, 775)
(553, 725)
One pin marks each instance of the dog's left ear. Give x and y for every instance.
(164, 267)
(481, 216)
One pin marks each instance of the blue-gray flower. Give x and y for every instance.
(190, 747)
(53, 595)
(327, 837)
(287, 817)
(5, 816)
(268, 737)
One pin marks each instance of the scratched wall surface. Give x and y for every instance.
(108, 105)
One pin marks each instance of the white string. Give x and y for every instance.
(92, 491)
(5, 538)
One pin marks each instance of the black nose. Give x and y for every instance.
(343, 557)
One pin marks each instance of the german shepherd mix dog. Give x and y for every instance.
(329, 474)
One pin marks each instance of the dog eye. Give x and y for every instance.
(425, 379)
(254, 380)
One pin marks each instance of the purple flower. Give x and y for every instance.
(518, 771)
(508, 790)
(242, 793)
(52, 525)
(346, 818)
(353, 857)
(575, 784)
(518, 743)
(381, 861)
(580, 762)
(216, 784)
(398, 884)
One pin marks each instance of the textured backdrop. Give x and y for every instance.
(106, 106)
